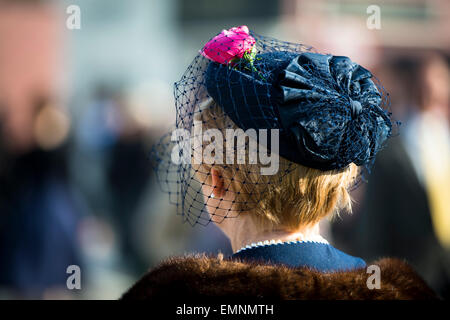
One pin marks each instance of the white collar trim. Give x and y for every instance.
(310, 239)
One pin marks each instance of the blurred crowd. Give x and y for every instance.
(404, 210)
(80, 110)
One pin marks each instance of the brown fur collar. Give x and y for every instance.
(201, 276)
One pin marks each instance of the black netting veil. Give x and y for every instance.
(249, 104)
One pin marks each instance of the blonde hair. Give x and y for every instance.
(290, 200)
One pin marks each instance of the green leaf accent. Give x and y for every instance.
(250, 57)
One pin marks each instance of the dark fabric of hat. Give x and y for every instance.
(328, 108)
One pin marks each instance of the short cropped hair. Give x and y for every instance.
(292, 200)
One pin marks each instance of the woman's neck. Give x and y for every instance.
(243, 231)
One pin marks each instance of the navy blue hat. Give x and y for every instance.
(328, 109)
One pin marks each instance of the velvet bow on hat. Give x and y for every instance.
(328, 109)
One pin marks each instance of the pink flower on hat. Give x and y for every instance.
(228, 45)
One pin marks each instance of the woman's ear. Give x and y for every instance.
(217, 183)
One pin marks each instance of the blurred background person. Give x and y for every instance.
(413, 220)
(39, 210)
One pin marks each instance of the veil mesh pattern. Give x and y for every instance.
(189, 183)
